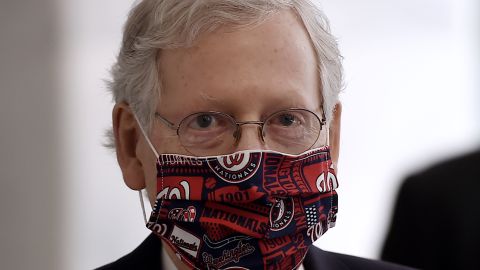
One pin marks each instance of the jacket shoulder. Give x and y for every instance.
(146, 256)
(319, 259)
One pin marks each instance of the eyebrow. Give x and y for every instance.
(273, 104)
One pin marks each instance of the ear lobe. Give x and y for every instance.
(334, 133)
(125, 130)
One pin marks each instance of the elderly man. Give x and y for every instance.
(227, 113)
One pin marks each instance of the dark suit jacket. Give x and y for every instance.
(147, 256)
(436, 222)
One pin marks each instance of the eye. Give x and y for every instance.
(203, 121)
(287, 119)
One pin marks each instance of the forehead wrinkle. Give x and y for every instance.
(209, 98)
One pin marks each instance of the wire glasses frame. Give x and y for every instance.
(283, 143)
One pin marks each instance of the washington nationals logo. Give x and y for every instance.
(233, 160)
(281, 214)
(237, 167)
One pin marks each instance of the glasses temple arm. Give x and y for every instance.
(165, 121)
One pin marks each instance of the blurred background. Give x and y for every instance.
(412, 98)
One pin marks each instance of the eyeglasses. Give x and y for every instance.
(290, 131)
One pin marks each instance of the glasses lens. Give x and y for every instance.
(292, 131)
(207, 133)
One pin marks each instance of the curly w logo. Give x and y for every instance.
(233, 160)
(237, 167)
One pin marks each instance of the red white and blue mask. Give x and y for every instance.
(246, 210)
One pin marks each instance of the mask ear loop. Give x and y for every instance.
(327, 135)
(142, 204)
(330, 183)
(146, 137)
(327, 143)
(140, 193)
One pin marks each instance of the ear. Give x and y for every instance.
(334, 133)
(126, 132)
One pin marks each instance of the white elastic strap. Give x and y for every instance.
(146, 137)
(327, 140)
(142, 203)
(143, 206)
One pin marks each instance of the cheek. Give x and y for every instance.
(167, 142)
(322, 139)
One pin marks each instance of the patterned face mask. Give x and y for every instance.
(247, 210)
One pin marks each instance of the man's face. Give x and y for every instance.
(246, 73)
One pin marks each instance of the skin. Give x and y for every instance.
(247, 73)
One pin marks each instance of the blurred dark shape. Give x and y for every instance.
(436, 223)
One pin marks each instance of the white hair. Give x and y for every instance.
(155, 25)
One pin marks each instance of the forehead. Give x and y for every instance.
(271, 64)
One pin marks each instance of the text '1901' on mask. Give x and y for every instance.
(246, 210)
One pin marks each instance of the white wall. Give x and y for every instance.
(412, 98)
(102, 216)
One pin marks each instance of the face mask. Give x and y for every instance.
(247, 210)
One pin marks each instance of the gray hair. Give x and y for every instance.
(154, 25)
